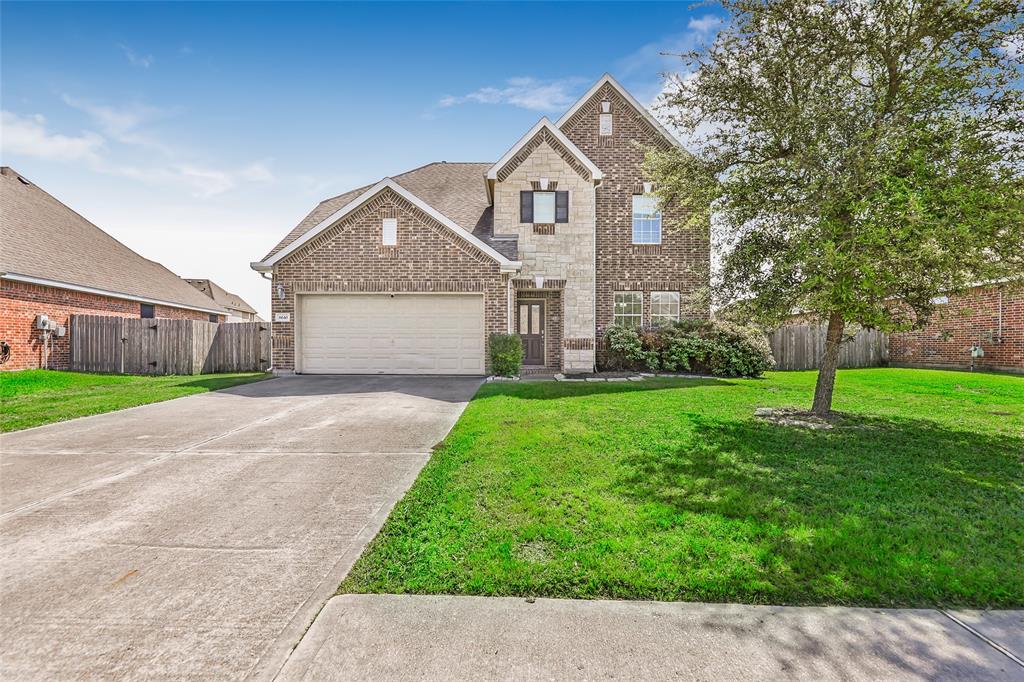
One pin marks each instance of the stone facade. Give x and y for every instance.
(991, 316)
(681, 262)
(349, 258)
(565, 253)
(21, 302)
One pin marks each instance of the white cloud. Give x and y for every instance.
(1013, 47)
(122, 123)
(705, 24)
(28, 136)
(523, 92)
(136, 59)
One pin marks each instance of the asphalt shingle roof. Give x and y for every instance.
(43, 238)
(225, 299)
(454, 189)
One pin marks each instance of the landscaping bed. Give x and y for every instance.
(671, 489)
(36, 397)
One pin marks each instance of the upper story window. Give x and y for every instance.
(389, 232)
(664, 307)
(629, 308)
(646, 219)
(543, 207)
(147, 310)
(213, 317)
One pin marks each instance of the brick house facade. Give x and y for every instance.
(58, 264)
(549, 226)
(989, 316)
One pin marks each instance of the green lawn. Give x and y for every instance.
(35, 397)
(670, 490)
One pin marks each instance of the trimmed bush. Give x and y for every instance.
(506, 354)
(702, 346)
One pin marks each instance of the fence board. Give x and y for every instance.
(164, 346)
(800, 346)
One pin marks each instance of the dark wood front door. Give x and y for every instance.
(531, 330)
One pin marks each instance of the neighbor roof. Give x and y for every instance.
(47, 243)
(224, 299)
(455, 190)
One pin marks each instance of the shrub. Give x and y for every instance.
(506, 354)
(706, 346)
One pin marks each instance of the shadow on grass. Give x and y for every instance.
(904, 508)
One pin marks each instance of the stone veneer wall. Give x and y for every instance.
(681, 263)
(566, 254)
(349, 257)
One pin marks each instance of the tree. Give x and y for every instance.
(854, 157)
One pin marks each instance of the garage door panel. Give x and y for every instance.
(374, 334)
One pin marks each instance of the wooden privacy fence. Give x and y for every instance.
(800, 346)
(122, 345)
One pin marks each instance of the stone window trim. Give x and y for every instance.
(543, 228)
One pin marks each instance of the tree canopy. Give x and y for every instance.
(855, 158)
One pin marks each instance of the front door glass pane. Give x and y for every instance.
(535, 318)
(524, 319)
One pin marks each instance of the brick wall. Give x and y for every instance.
(349, 258)
(969, 318)
(20, 303)
(682, 260)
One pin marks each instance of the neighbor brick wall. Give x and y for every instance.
(969, 318)
(20, 303)
(349, 257)
(681, 263)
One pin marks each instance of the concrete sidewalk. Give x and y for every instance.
(393, 637)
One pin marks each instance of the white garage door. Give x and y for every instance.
(384, 334)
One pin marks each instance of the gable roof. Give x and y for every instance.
(224, 299)
(607, 79)
(47, 243)
(360, 199)
(454, 189)
(545, 125)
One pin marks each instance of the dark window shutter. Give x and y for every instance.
(526, 207)
(561, 207)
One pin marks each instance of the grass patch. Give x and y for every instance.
(39, 396)
(671, 490)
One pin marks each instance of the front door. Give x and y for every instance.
(531, 330)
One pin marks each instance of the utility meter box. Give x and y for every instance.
(42, 321)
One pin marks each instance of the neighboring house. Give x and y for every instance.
(555, 241)
(988, 316)
(238, 309)
(54, 262)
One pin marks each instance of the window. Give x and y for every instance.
(543, 207)
(213, 317)
(664, 307)
(629, 308)
(605, 125)
(147, 310)
(389, 232)
(646, 219)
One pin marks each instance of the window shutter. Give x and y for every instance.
(526, 207)
(561, 207)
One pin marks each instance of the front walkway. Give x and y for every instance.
(388, 637)
(197, 538)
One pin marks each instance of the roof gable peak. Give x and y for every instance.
(608, 79)
(544, 124)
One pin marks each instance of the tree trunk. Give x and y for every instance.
(829, 361)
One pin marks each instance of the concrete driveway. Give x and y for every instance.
(199, 537)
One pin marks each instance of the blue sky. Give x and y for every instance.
(199, 134)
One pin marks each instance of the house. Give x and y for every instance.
(238, 309)
(988, 317)
(555, 241)
(54, 262)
